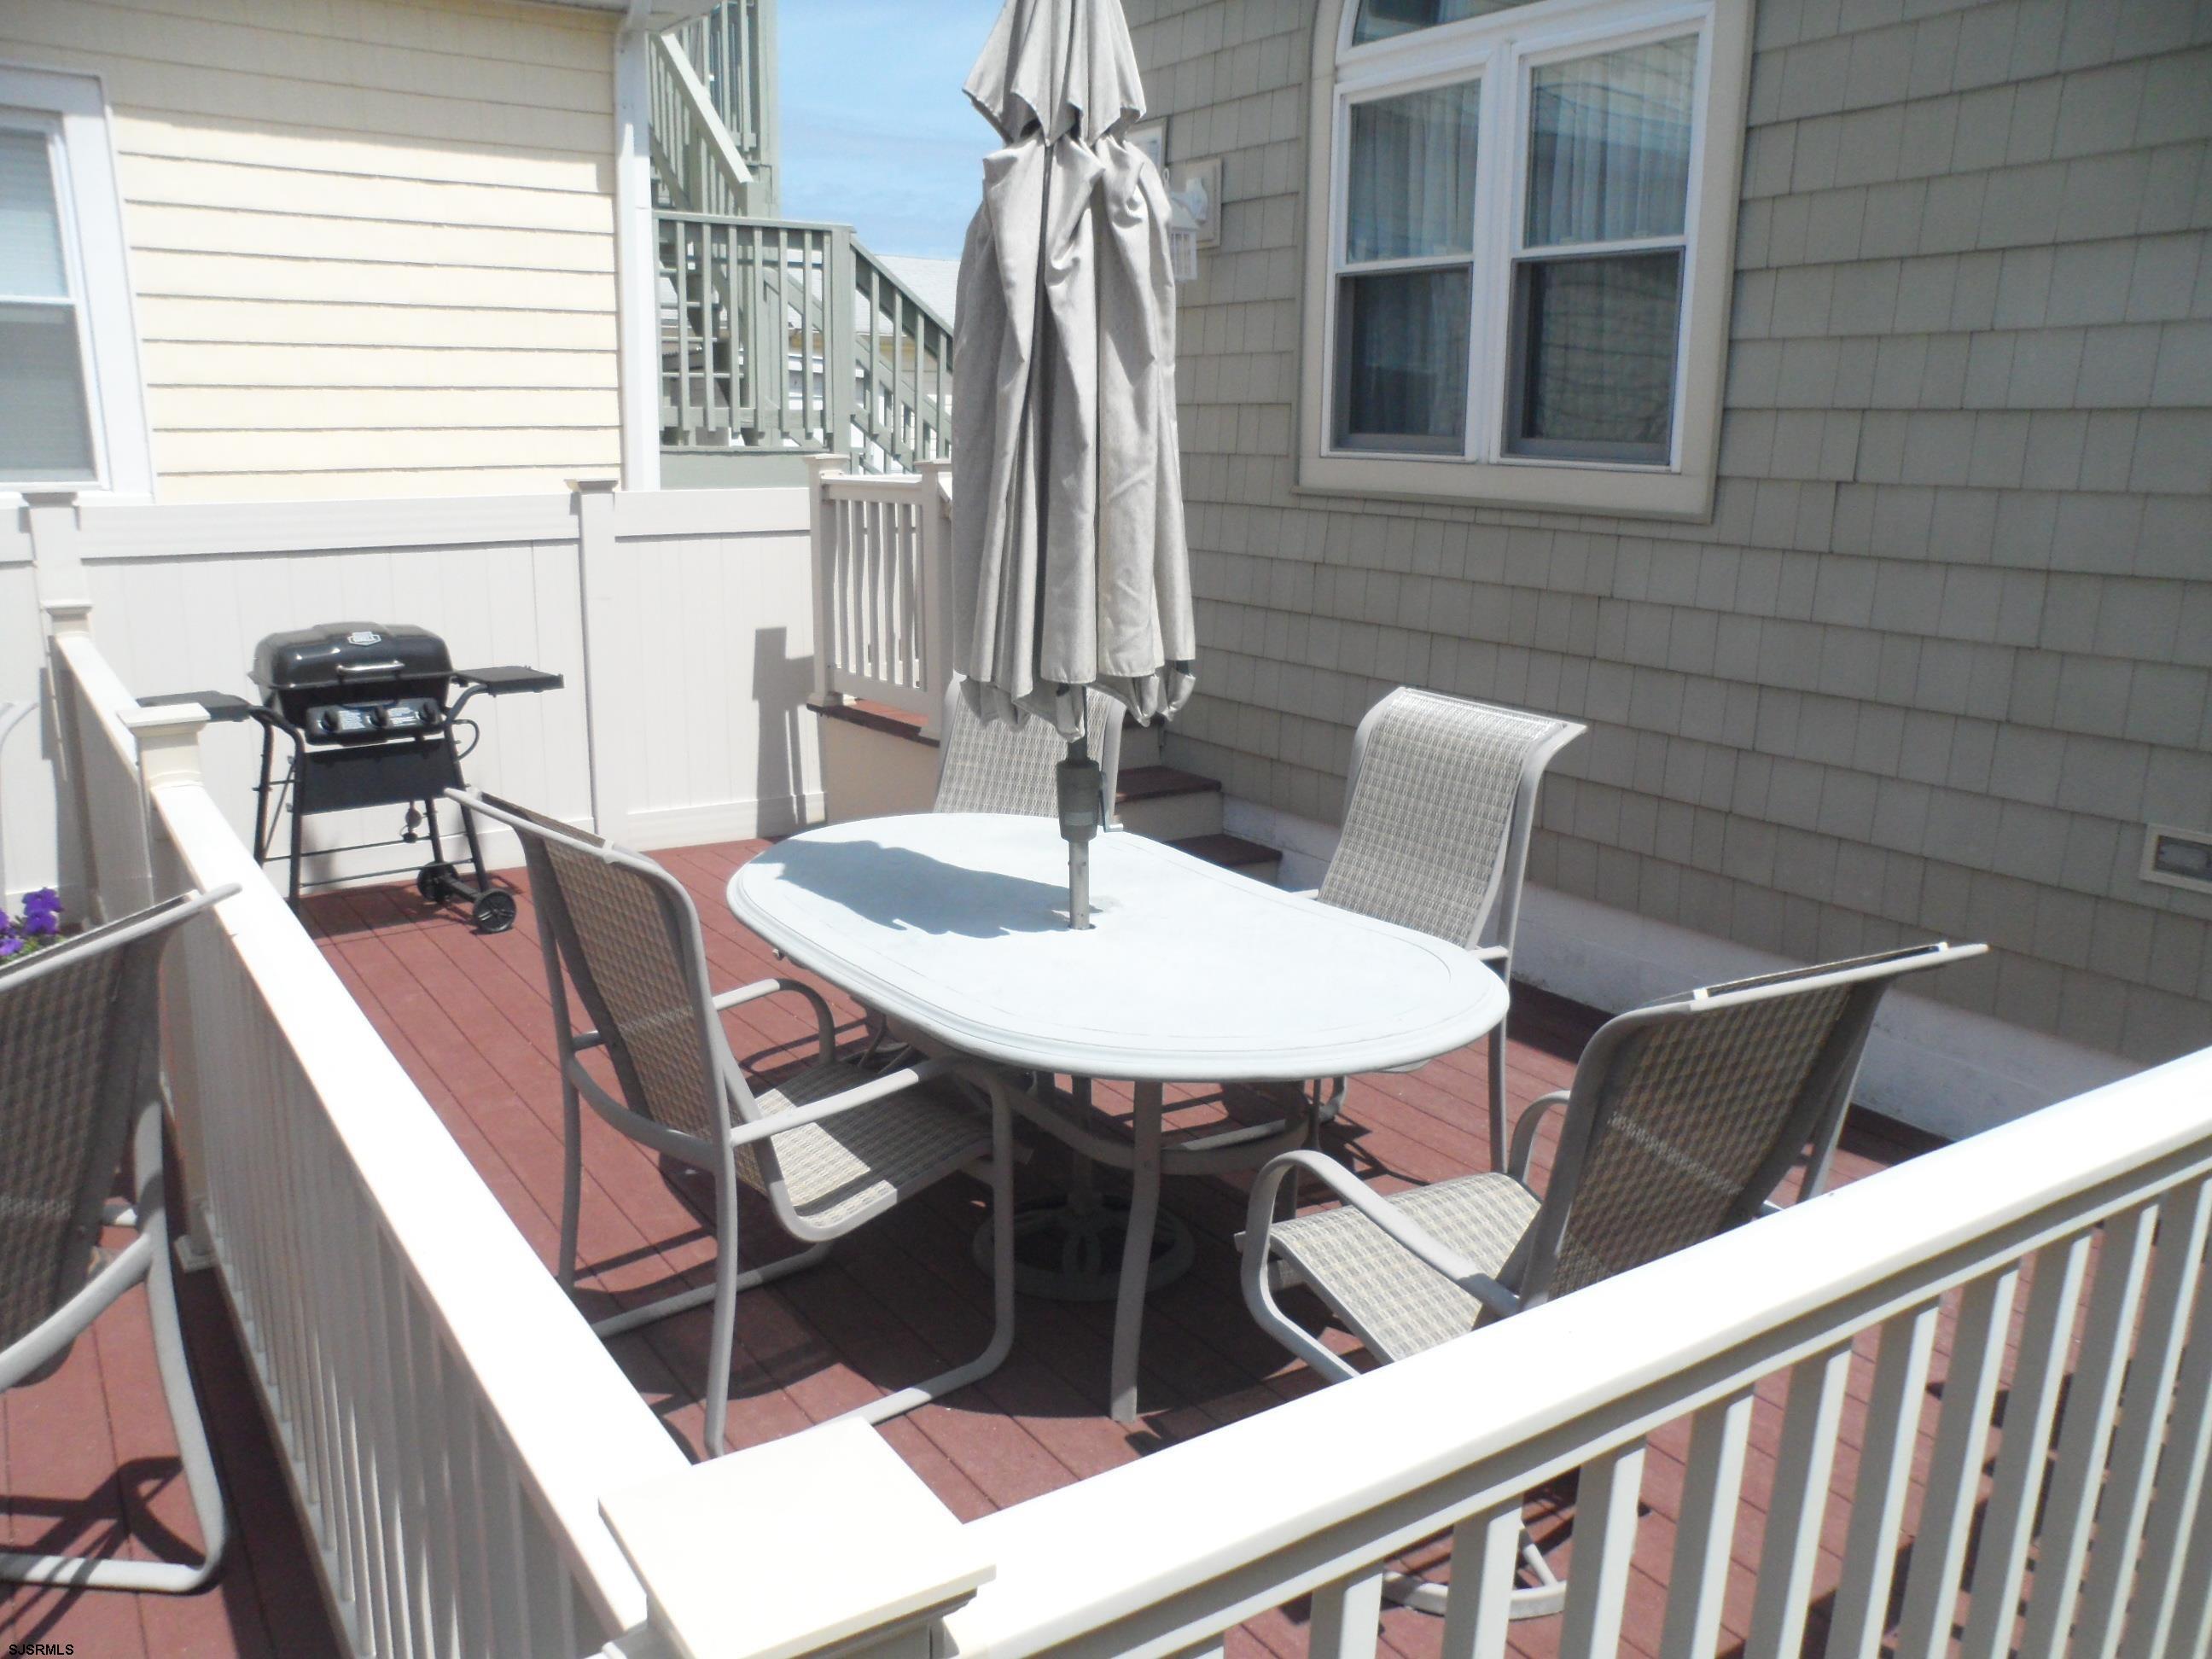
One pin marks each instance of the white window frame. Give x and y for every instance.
(1501, 51)
(71, 111)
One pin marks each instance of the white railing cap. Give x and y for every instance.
(797, 1545)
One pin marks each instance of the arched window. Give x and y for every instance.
(1519, 242)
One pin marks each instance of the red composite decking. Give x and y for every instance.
(467, 1015)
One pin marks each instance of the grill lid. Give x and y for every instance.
(350, 653)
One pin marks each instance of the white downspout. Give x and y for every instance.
(637, 305)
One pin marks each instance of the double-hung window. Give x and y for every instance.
(1518, 290)
(71, 402)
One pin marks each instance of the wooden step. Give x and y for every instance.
(1167, 803)
(1246, 858)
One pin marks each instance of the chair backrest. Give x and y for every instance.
(989, 766)
(628, 935)
(1438, 812)
(80, 1054)
(1686, 1114)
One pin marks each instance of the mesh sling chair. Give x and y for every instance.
(80, 1029)
(985, 767)
(1684, 1116)
(830, 1149)
(1439, 808)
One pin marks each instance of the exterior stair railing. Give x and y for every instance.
(775, 334)
(757, 354)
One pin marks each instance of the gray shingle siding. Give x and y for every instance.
(1944, 648)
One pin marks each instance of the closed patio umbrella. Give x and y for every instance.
(1071, 566)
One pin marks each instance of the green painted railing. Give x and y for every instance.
(780, 335)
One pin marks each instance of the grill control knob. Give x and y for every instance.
(329, 723)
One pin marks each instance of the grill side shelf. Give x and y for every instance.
(499, 682)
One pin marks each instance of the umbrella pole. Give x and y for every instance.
(1080, 784)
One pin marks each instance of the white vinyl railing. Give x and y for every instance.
(100, 775)
(2065, 1253)
(449, 1422)
(883, 549)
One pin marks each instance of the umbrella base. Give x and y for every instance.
(1066, 1251)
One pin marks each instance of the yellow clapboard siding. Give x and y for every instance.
(376, 485)
(305, 236)
(142, 84)
(251, 363)
(181, 321)
(262, 409)
(372, 241)
(252, 141)
(273, 187)
(202, 44)
(411, 448)
(560, 38)
(243, 277)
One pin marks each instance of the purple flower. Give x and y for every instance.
(44, 903)
(10, 945)
(41, 924)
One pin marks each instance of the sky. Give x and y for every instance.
(876, 133)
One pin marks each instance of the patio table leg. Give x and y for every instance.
(1137, 1249)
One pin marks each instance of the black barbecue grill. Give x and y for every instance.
(373, 713)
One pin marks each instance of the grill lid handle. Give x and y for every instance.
(393, 666)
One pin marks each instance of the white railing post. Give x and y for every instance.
(78, 874)
(823, 516)
(825, 1541)
(169, 753)
(933, 531)
(608, 625)
(56, 563)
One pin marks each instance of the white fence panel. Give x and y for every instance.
(712, 654)
(687, 666)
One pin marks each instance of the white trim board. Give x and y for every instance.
(1942, 1069)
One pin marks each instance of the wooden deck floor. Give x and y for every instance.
(468, 1017)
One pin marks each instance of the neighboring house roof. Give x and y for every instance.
(935, 282)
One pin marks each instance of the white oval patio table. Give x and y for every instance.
(955, 924)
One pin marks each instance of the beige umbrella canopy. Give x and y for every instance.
(1071, 567)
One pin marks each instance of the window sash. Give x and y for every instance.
(1502, 51)
(49, 131)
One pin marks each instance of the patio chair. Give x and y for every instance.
(1439, 810)
(985, 767)
(830, 1149)
(80, 1029)
(1684, 1116)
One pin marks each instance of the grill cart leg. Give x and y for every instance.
(299, 830)
(261, 796)
(491, 909)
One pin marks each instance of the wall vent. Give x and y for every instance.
(2178, 858)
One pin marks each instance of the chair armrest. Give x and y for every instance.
(863, 1094)
(1426, 1246)
(1524, 1133)
(826, 1025)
